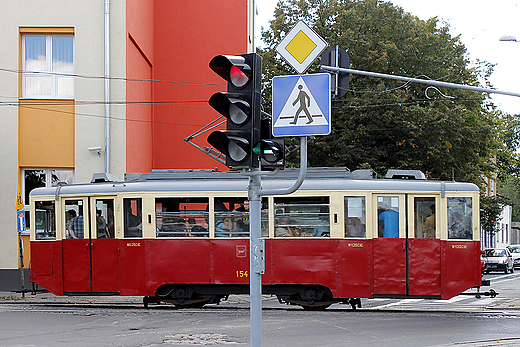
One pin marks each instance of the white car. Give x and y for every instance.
(499, 259)
(515, 253)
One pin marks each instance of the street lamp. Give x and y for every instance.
(507, 38)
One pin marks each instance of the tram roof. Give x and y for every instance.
(231, 181)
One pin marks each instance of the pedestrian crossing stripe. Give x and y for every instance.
(301, 105)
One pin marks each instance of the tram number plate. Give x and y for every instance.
(133, 244)
(242, 273)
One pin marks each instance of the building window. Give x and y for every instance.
(48, 66)
(35, 178)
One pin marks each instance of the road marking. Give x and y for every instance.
(402, 302)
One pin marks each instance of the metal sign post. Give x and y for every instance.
(20, 222)
(256, 261)
(299, 48)
(256, 244)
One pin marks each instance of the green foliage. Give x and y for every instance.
(490, 210)
(382, 123)
(508, 159)
(509, 188)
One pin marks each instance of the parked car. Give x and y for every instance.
(515, 253)
(499, 259)
(483, 263)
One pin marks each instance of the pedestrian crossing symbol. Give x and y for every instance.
(301, 105)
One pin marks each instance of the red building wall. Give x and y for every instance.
(139, 88)
(185, 35)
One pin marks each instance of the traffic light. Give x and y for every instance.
(270, 150)
(241, 107)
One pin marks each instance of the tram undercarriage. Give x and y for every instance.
(309, 297)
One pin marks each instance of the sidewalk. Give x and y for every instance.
(46, 297)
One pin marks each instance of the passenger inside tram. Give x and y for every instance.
(101, 226)
(322, 228)
(389, 220)
(241, 219)
(286, 227)
(457, 230)
(355, 228)
(76, 231)
(133, 217)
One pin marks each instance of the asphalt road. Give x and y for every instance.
(45, 320)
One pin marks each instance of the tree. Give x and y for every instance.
(490, 210)
(509, 188)
(508, 158)
(381, 123)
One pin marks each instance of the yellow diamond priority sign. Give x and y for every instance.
(301, 46)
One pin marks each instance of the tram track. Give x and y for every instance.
(107, 308)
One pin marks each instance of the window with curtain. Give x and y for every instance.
(48, 66)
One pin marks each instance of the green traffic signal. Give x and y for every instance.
(269, 150)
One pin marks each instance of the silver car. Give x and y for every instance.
(499, 259)
(515, 253)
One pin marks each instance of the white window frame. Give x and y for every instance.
(48, 73)
(48, 183)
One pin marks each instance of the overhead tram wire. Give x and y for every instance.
(186, 84)
(198, 125)
(103, 116)
(44, 102)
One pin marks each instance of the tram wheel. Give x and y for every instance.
(314, 301)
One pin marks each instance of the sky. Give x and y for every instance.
(480, 24)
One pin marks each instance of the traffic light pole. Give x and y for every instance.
(419, 80)
(256, 244)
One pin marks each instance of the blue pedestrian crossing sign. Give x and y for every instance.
(301, 105)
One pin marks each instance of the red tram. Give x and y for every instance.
(182, 237)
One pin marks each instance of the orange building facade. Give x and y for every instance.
(58, 127)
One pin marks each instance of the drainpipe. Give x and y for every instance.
(107, 86)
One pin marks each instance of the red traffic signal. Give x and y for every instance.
(232, 68)
(241, 107)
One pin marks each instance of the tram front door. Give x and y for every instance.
(90, 251)
(406, 250)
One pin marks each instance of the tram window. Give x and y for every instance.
(424, 217)
(45, 224)
(355, 216)
(105, 218)
(388, 216)
(132, 209)
(460, 218)
(302, 217)
(232, 217)
(177, 217)
(74, 219)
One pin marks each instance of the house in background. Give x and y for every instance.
(105, 86)
(504, 234)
